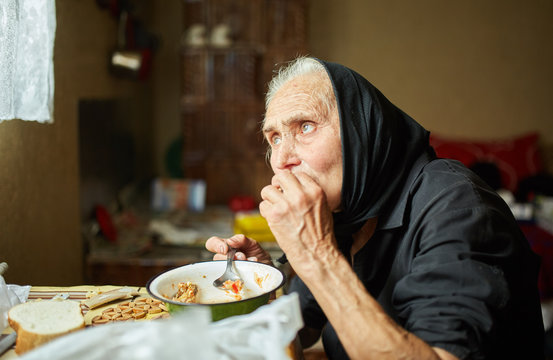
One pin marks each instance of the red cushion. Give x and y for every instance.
(516, 158)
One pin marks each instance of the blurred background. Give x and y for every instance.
(155, 140)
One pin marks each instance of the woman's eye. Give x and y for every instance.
(275, 140)
(307, 128)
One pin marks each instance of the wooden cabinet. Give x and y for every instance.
(228, 54)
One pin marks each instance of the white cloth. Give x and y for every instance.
(10, 295)
(261, 335)
(27, 32)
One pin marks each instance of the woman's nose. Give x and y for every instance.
(285, 156)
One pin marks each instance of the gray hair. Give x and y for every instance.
(296, 68)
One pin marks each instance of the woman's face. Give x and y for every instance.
(304, 134)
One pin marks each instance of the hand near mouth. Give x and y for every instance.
(298, 215)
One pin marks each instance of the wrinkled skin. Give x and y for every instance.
(306, 158)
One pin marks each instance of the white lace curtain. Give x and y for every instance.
(27, 32)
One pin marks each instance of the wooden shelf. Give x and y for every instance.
(222, 89)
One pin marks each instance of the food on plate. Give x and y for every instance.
(141, 308)
(259, 279)
(37, 322)
(186, 292)
(221, 303)
(235, 286)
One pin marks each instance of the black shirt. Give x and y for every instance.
(447, 260)
(448, 263)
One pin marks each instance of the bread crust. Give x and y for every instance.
(28, 340)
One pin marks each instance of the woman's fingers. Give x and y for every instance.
(271, 193)
(219, 257)
(306, 181)
(237, 256)
(248, 249)
(220, 245)
(216, 245)
(240, 242)
(286, 182)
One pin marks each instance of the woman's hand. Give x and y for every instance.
(297, 212)
(248, 249)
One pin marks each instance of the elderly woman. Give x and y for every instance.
(398, 254)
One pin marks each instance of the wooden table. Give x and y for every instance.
(76, 293)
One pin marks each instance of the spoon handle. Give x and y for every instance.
(230, 256)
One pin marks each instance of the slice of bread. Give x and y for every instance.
(37, 322)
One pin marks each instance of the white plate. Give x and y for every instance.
(164, 285)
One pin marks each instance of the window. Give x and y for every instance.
(27, 32)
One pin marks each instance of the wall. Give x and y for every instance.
(478, 69)
(39, 217)
(470, 68)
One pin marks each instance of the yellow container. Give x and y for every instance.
(253, 225)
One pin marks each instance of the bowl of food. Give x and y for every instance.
(192, 285)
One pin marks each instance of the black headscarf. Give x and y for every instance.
(380, 145)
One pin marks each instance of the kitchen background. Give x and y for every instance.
(471, 69)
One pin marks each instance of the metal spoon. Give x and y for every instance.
(229, 273)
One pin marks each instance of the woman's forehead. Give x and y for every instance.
(303, 96)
